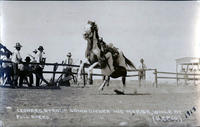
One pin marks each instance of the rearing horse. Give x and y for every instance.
(93, 55)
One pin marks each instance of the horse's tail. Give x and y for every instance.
(129, 63)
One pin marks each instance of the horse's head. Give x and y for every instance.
(90, 36)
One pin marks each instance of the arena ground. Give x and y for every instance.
(166, 105)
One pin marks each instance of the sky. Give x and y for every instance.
(157, 31)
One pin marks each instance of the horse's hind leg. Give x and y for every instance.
(124, 81)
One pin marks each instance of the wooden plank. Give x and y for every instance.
(131, 75)
(176, 73)
(178, 78)
(139, 70)
(169, 77)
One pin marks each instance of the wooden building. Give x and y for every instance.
(188, 68)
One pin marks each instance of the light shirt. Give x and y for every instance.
(69, 60)
(39, 57)
(16, 57)
(143, 66)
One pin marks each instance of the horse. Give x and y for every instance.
(94, 56)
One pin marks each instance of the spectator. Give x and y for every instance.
(68, 70)
(16, 59)
(142, 71)
(26, 72)
(39, 69)
(7, 69)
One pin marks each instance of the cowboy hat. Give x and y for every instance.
(18, 45)
(35, 51)
(40, 48)
(69, 54)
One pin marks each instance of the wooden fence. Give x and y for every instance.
(176, 76)
(155, 72)
(55, 66)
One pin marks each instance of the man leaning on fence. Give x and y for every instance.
(142, 71)
(68, 70)
(39, 69)
(26, 73)
(16, 59)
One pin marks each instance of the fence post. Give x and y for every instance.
(139, 78)
(194, 78)
(177, 74)
(156, 78)
(54, 70)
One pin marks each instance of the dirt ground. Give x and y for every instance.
(166, 105)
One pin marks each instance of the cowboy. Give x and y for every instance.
(68, 70)
(69, 59)
(34, 59)
(16, 59)
(142, 72)
(26, 72)
(111, 49)
(39, 68)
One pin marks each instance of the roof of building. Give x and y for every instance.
(188, 61)
(5, 50)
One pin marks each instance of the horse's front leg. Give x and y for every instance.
(90, 71)
(80, 70)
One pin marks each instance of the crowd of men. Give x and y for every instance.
(16, 70)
